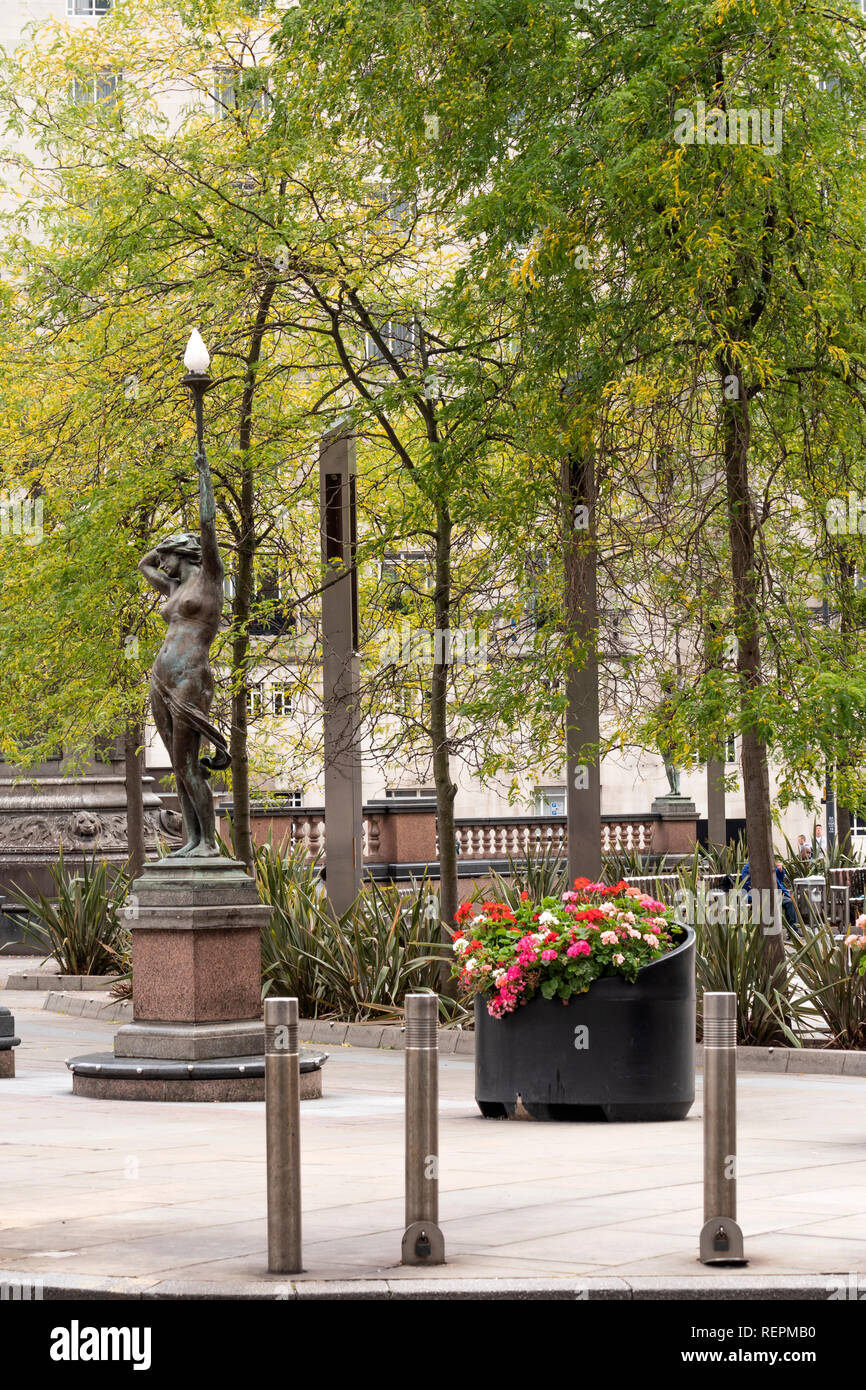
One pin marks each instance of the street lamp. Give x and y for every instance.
(196, 359)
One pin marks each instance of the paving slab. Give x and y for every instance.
(156, 1199)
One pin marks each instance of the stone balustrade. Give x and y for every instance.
(406, 834)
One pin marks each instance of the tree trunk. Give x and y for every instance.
(445, 787)
(132, 759)
(583, 772)
(742, 526)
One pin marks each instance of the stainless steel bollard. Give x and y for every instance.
(283, 1135)
(423, 1242)
(721, 1237)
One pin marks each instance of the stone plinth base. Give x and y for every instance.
(196, 942)
(190, 1042)
(7, 1064)
(102, 1076)
(197, 1032)
(676, 830)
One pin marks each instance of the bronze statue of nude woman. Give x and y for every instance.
(188, 570)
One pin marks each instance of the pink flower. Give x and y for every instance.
(579, 948)
(548, 955)
(618, 958)
(633, 892)
(609, 938)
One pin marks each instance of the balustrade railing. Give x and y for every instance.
(480, 839)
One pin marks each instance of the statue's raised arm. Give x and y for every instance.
(211, 560)
(188, 571)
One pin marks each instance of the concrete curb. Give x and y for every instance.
(89, 1006)
(798, 1061)
(48, 980)
(719, 1287)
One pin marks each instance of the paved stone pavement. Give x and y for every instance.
(177, 1191)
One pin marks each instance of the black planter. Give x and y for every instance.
(623, 1051)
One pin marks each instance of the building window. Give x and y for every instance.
(272, 615)
(102, 86)
(88, 7)
(550, 801)
(698, 759)
(400, 339)
(240, 89)
(858, 825)
(613, 622)
(409, 793)
(273, 699)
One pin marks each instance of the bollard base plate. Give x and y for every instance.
(722, 1242)
(423, 1244)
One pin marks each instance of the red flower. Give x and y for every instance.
(581, 883)
(524, 896)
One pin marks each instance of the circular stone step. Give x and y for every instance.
(102, 1076)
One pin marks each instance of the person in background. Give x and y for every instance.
(819, 848)
(789, 912)
(804, 849)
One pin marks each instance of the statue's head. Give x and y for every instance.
(174, 550)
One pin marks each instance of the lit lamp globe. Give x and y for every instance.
(196, 359)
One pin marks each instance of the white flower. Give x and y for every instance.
(461, 945)
(547, 919)
(471, 964)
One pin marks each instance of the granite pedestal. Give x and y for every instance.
(197, 1030)
(675, 832)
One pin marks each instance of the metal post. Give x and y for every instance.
(423, 1242)
(283, 1130)
(721, 1237)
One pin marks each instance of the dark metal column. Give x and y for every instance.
(341, 674)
